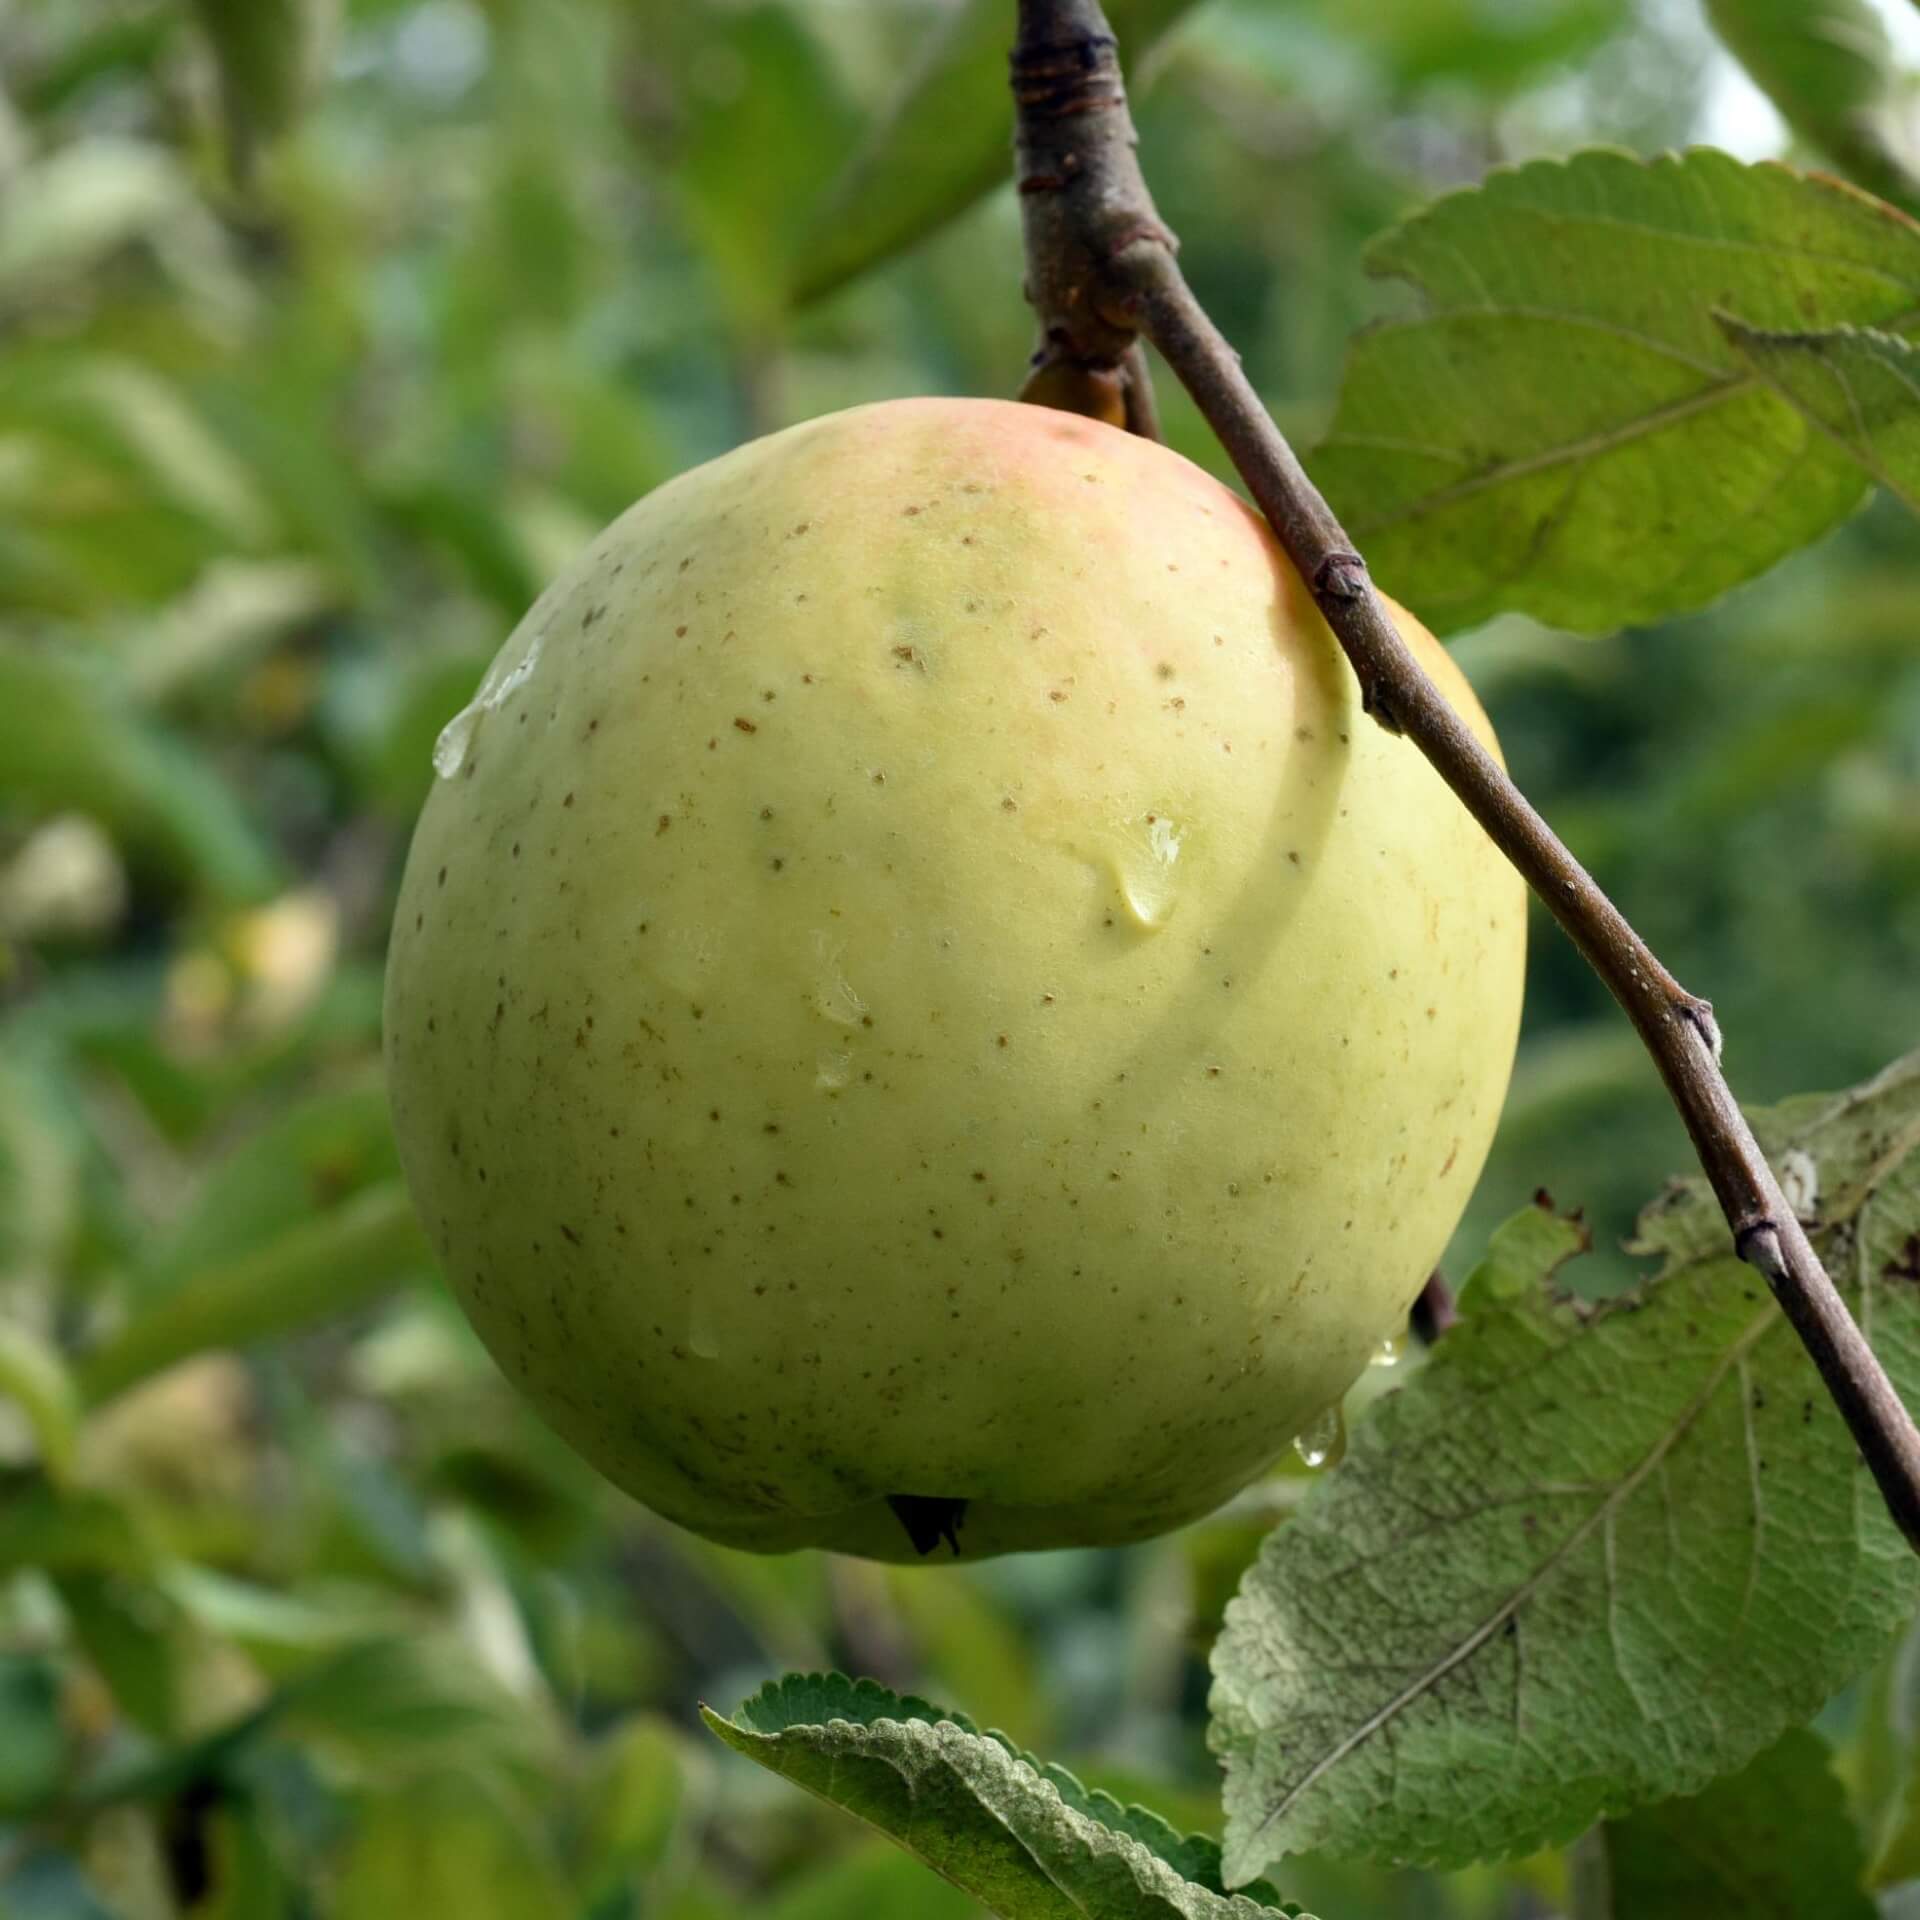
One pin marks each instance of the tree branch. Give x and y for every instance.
(1101, 274)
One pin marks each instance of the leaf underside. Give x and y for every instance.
(1588, 1558)
(1029, 1842)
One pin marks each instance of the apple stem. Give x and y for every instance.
(1102, 276)
(1433, 1311)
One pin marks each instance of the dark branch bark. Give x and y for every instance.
(1101, 274)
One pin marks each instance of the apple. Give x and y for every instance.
(920, 1009)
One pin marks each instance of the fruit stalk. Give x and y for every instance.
(1102, 276)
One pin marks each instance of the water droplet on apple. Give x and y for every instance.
(1144, 864)
(1322, 1442)
(835, 997)
(503, 680)
(836, 1069)
(1389, 1352)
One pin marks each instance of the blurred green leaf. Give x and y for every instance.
(446, 1849)
(74, 209)
(68, 740)
(232, 613)
(306, 1275)
(119, 406)
(1563, 427)
(247, 1882)
(40, 1166)
(307, 1160)
(131, 1634)
(972, 1649)
(1771, 1842)
(35, 1378)
(1023, 1840)
(945, 141)
(874, 1880)
(58, 1532)
(270, 54)
(635, 1797)
(404, 1711)
(1826, 64)
(280, 1631)
(1481, 41)
(761, 85)
(1860, 387)
(33, 1740)
(1558, 1585)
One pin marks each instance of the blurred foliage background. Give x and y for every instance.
(300, 1614)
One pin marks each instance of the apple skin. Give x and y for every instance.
(921, 981)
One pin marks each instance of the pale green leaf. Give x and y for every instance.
(1563, 427)
(1586, 1557)
(34, 1377)
(1774, 1841)
(1858, 386)
(129, 408)
(1023, 1840)
(235, 611)
(946, 140)
(79, 205)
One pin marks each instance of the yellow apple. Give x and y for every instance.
(917, 985)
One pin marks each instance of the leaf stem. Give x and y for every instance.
(1101, 274)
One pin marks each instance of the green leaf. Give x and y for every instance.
(1023, 1840)
(35, 1378)
(1825, 64)
(317, 1271)
(1563, 427)
(1772, 1842)
(945, 141)
(69, 741)
(1859, 387)
(1586, 1557)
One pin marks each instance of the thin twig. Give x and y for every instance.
(1143, 410)
(1101, 274)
